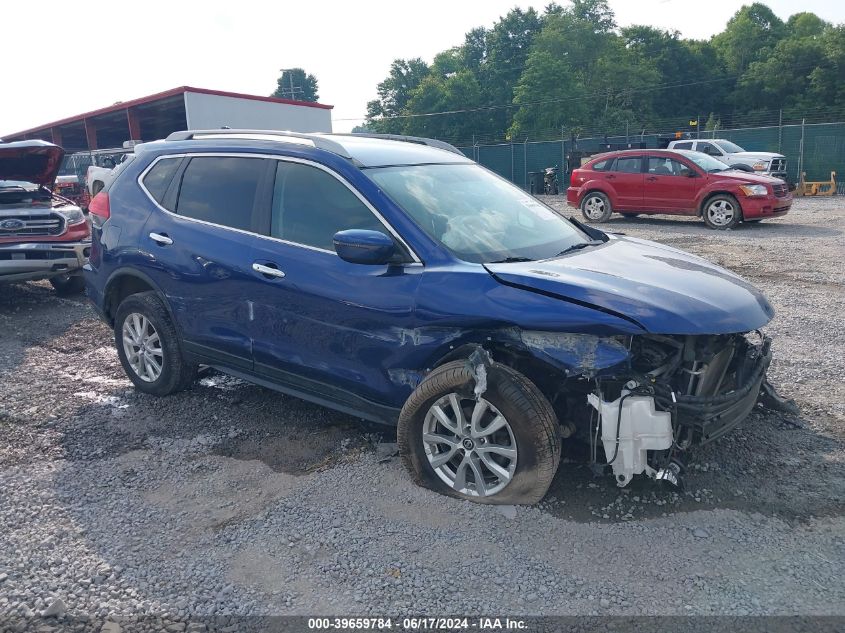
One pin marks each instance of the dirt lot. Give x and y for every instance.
(232, 499)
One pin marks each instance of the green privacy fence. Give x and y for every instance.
(816, 149)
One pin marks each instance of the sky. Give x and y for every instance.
(77, 57)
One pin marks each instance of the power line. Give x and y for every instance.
(561, 99)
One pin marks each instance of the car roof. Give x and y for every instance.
(365, 150)
(640, 152)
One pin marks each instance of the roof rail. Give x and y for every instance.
(318, 140)
(407, 139)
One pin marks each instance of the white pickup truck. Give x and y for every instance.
(767, 163)
(102, 170)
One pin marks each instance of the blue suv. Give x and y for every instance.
(394, 279)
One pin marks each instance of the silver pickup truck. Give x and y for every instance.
(767, 163)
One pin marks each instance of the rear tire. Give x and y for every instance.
(721, 212)
(595, 207)
(524, 449)
(68, 285)
(149, 348)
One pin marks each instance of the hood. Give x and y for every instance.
(746, 176)
(664, 290)
(767, 156)
(30, 161)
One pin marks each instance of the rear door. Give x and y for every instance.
(198, 246)
(668, 185)
(626, 179)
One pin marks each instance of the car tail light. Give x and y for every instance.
(99, 208)
(577, 177)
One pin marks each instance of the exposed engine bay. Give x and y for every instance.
(676, 392)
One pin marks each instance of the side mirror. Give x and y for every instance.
(358, 246)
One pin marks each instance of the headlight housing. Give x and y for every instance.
(72, 216)
(760, 165)
(753, 191)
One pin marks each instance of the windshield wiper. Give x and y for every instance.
(511, 260)
(577, 247)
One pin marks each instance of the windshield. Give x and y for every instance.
(728, 147)
(478, 216)
(707, 163)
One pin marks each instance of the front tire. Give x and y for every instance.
(595, 207)
(148, 346)
(722, 212)
(502, 447)
(68, 285)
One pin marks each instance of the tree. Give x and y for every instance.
(394, 93)
(460, 93)
(295, 84)
(749, 36)
(571, 66)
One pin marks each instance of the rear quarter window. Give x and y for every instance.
(158, 178)
(682, 146)
(602, 165)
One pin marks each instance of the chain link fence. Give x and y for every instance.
(813, 148)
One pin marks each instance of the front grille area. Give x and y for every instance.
(41, 224)
(778, 164)
(780, 191)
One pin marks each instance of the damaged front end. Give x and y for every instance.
(673, 393)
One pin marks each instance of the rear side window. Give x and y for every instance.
(221, 190)
(682, 146)
(158, 178)
(310, 206)
(628, 165)
(602, 165)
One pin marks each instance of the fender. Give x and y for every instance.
(598, 185)
(126, 271)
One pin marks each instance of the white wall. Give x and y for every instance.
(205, 111)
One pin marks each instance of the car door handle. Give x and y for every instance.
(267, 271)
(652, 178)
(611, 177)
(161, 238)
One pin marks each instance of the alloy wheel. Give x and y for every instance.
(720, 212)
(142, 345)
(594, 207)
(470, 445)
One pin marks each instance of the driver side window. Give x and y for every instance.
(310, 206)
(709, 149)
(664, 166)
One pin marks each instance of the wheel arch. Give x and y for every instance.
(718, 192)
(548, 378)
(124, 282)
(598, 187)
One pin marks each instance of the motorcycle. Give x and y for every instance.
(550, 187)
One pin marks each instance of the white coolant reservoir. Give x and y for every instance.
(641, 429)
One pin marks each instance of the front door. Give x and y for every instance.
(324, 325)
(199, 250)
(669, 186)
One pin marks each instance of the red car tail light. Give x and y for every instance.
(577, 177)
(99, 208)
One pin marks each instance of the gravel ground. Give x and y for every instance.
(232, 499)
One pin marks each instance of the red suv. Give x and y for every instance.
(675, 182)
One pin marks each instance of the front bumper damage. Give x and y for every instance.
(676, 393)
(41, 260)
